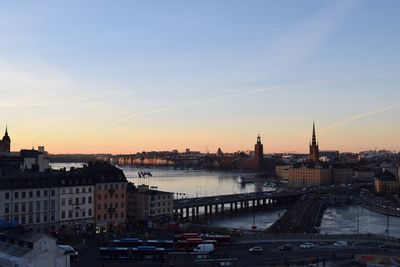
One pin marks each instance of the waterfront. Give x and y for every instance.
(336, 220)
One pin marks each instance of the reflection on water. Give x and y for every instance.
(263, 220)
(58, 166)
(343, 220)
(193, 183)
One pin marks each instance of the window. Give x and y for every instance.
(90, 200)
(23, 219)
(122, 204)
(7, 196)
(105, 196)
(76, 214)
(84, 190)
(105, 216)
(30, 219)
(63, 191)
(53, 204)
(122, 195)
(53, 192)
(116, 186)
(38, 205)
(83, 213)
(45, 205)
(45, 217)
(23, 207)
(23, 194)
(63, 214)
(98, 206)
(53, 216)
(90, 190)
(16, 195)
(38, 193)
(70, 190)
(70, 214)
(98, 217)
(30, 206)
(99, 187)
(122, 215)
(70, 201)
(63, 202)
(6, 208)
(76, 190)
(77, 200)
(116, 215)
(38, 218)
(98, 196)
(105, 205)
(89, 212)
(15, 207)
(30, 194)
(45, 193)
(116, 205)
(105, 186)
(83, 200)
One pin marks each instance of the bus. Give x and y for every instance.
(131, 253)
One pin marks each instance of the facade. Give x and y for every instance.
(147, 204)
(65, 201)
(305, 177)
(314, 149)
(30, 249)
(5, 143)
(342, 175)
(386, 183)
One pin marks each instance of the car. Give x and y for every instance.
(307, 245)
(285, 247)
(256, 250)
(341, 244)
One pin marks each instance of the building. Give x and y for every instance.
(314, 149)
(65, 201)
(29, 249)
(34, 160)
(305, 176)
(110, 197)
(386, 183)
(342, 175)
(258, 153)
(5, 143)
(145, 204)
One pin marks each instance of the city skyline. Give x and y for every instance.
(102, 78)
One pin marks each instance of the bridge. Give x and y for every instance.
(213, 205)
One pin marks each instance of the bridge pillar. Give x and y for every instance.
(181, 214)
(193, 213)
(216, 209)
(236, 204)
(258, 202)
(254, 203)
(230, 207)
(187, 214)
(211, 209)
(197, 212)
(222, 208)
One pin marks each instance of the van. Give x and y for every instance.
(205, 248)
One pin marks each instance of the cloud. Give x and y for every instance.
(361, 116)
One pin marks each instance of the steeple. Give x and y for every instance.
(258, 139)
(314, 137)
(6, 134)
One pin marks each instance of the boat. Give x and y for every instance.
(269, 184)
(244, 180)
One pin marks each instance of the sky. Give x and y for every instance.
(129, 76)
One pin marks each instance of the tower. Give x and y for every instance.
(258, 153)
(314, 150)
(5, 143)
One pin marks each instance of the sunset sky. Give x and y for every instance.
(127, 76)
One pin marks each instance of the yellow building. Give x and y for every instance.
(305, 177)
(386, 183)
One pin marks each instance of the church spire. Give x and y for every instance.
(6, 130)
(314, 137)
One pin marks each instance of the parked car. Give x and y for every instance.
(307, 245)
(341, 243)
(256, 249)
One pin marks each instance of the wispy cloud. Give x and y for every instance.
(361, 116)
(201, 101)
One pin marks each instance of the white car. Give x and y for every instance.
(256, 249)
(341, 244)
(307, 245)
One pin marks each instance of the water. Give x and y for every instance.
(337, 220)
(343, 220)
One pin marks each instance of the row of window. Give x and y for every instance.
(77, 190)
(106, 217)
(161, 197)
(159, 211)
(106, 196)
(110, 205)
(30, 194)
(30, 219)
(28, 206)
(159, 204)
(111, 186)
(76, 213)
(70, 201)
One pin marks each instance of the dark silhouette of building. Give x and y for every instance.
(314, 150)
(5, 143)
(258, 153)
